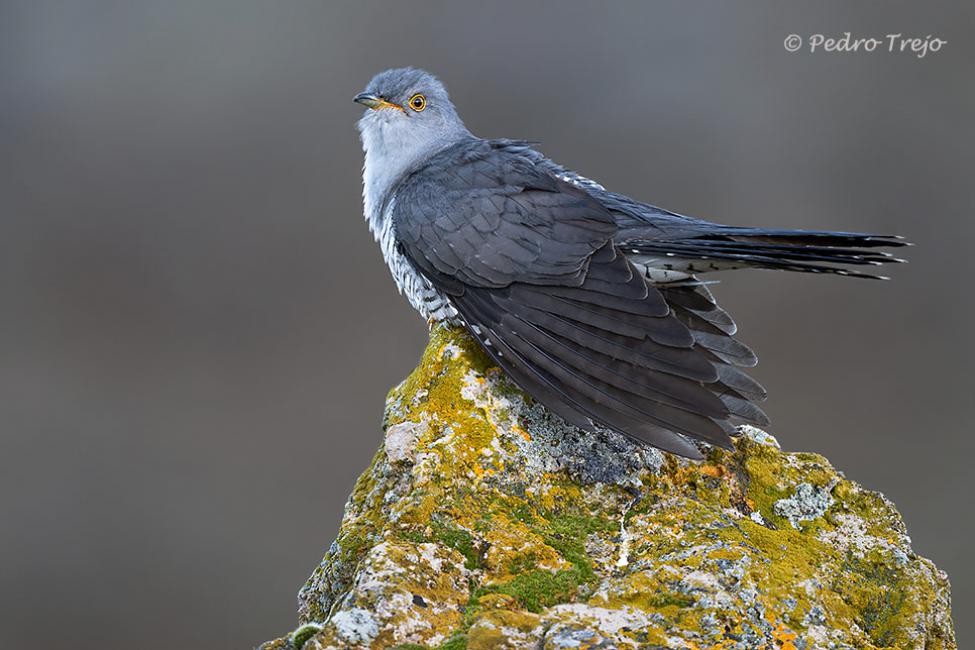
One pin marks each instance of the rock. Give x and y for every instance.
(401, 441)
(486, 522)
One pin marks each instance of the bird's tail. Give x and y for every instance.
(809, 251)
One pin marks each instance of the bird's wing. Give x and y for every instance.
(529, 262)
(659, 239)
(486, 217)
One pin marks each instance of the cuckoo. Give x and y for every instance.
(589, 300)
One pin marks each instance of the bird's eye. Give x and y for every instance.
(418, 102)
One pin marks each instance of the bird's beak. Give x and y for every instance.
(374, 102)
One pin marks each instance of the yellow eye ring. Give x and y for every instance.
(418, 102)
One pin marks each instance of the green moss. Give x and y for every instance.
(358, 533)
(459, 540)
(537, 589)
(300, 636)
(522, 511)
(447, 535)
(353, 546)
(878, 593)
(567, 534)
(522, 562)
(456, 642)
(670, 599)
(414, 536)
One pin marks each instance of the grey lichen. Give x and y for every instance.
(355, 626)
(807, 503)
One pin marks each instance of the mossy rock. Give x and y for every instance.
(486, 522)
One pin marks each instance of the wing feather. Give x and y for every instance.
(529, 263)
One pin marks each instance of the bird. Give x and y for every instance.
(589, 301)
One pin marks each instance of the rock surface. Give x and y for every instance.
(484, 522)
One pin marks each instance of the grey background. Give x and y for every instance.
(197, 332)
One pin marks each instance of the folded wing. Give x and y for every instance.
(529, 262)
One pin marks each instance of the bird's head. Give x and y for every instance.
(408, 111)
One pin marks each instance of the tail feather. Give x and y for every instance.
(816, 237)
(808, 251)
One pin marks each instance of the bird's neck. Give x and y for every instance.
(387, 163)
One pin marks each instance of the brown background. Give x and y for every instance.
(197, 332)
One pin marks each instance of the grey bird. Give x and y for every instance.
(589, 300)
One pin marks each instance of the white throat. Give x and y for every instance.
(386, 159)
(388, 156)
(392, 147)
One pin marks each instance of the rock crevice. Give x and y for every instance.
(485, 522)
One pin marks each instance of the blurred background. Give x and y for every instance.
(197, 331)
